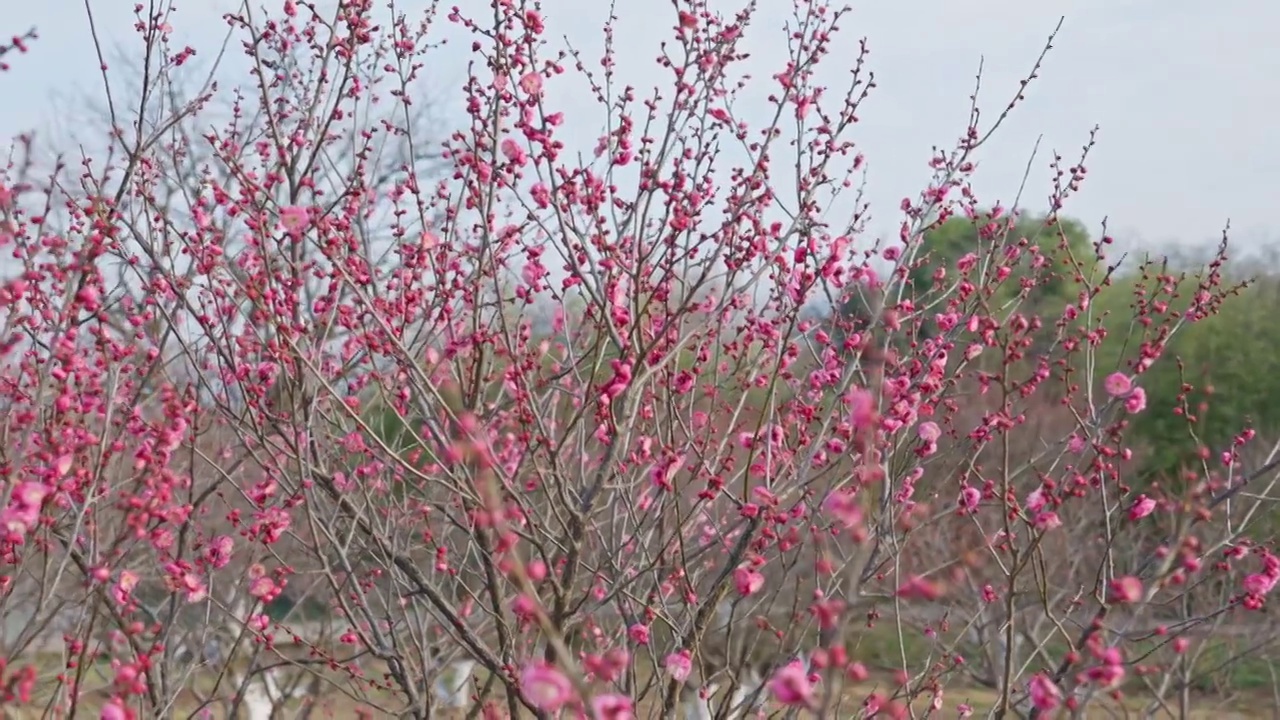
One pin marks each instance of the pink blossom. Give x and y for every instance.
(612, 707)
(1111, 656)
(532, 273)
(678, 665)
(1117, 384)
(1136, 402)
(618, 383)
(683, 383)
(843, 506)
(531, 84)
(545, 687)
(1036, 500)
(747, 581)
(1107, 675)
(123, 589)
(609, 666)
(524, 607)
(1127, 589)
(31, 495)
(218, 554)
(294, 218)
(764, 495)
(513, 152)
(929, 431)
(791, 686)
(272, 524)
(969, 498)
(828, 612)
(262, 587)
(1259, 584)
(16, 522)
(664, 473)
(1047, 520)
(639, 634)
(1045, 695)
(113, 710)
(541, 195)
(181, 580)
(989, 594)
(861, 409)
(1141, 508)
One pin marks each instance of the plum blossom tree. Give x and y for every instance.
(574, 445)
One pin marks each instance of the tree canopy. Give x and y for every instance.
(1063, 242)
(1228, 376)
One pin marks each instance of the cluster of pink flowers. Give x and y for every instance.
(1109, 668)
(792, 685)
(929, 433)
(294, 219)
(1119, 385)
(842, 505)
(23, 512)
(548, 689)
(664, 374)
(1126, 590)
(1258, 585)
(1045, 694)
(1040, 510)
(747, 580)
(1142, 507)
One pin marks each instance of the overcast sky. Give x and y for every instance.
(1185, 92)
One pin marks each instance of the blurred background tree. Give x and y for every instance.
(1049, 284)
(1229, 361)
(1060, 239)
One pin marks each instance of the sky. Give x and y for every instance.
(1185, 93)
